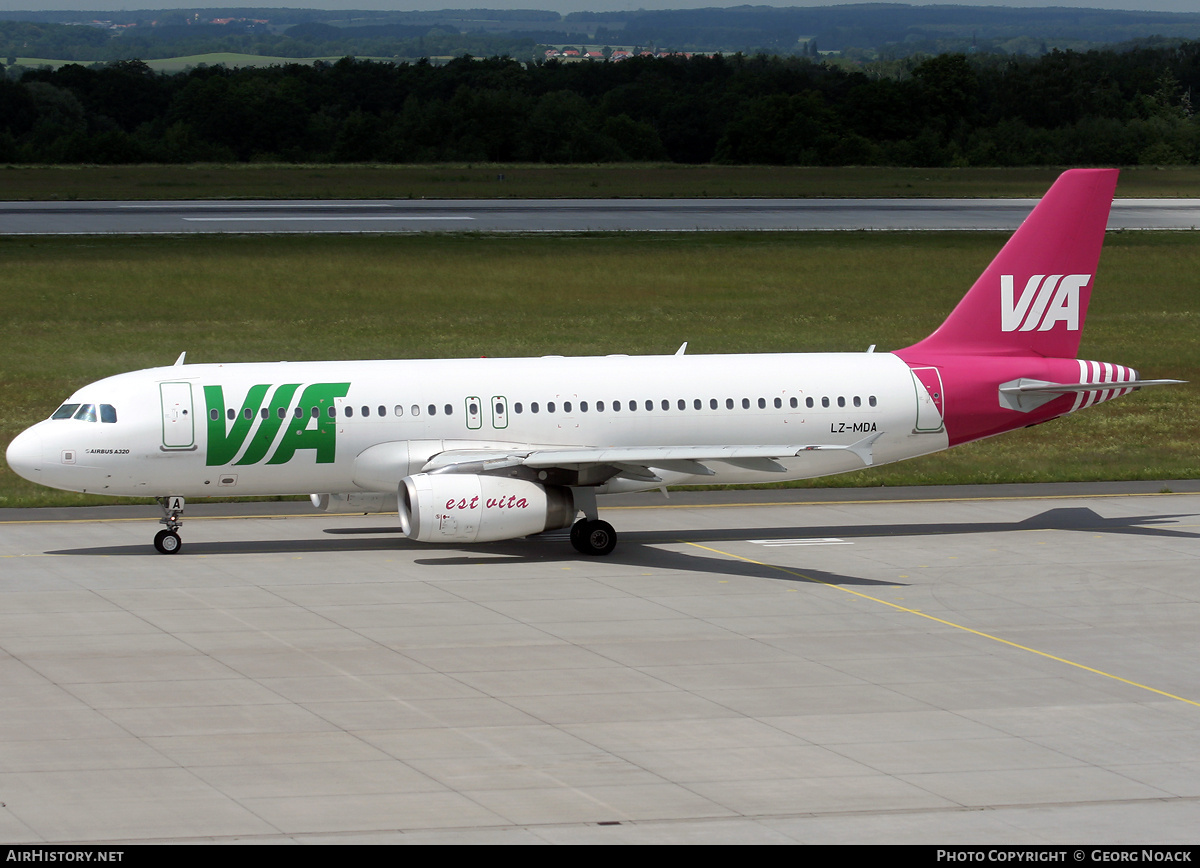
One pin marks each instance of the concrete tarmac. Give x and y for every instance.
(897, 666)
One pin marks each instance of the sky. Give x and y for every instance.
(563, 6)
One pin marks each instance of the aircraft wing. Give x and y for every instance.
(638, 462)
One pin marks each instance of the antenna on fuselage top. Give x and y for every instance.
(682, 349)
(179, 361)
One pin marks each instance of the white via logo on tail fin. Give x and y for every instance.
(1046, 300)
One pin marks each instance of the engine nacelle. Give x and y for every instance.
(463, 508)
(364, 502)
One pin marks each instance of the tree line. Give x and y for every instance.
(1077, 108)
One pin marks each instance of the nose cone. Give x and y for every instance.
(24, 455)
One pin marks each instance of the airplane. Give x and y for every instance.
(478, 450)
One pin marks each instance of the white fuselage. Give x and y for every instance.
(301, 427)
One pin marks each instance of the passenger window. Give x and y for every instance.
(808, 402)
(213, 414)
(349, 412)
(729, 403)
(566, 406)
(779, 403)
(108, 413)
(533, 407)
(825, 402)
(517, 408)
(549, 406)
(415, 410)
(762, 403)
(298, 412)
(264, 413)
(282, 412)
(382, 410)
(583, 406)
(66, 411)
(712, 403)
(366, 411)
(599, 406)
(432, 409)
(697, 404)
(398, 410)
(793, 403)
(448, 410)
(231, 414)
(649, 404)
(616, 406)
(871, 400)
(841, 401)
(857, 401)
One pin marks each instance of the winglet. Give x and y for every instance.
(863, 448)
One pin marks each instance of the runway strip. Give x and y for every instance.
(559, 215)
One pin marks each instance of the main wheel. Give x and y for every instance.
(167, 542)
(577, 531)
(595, 538)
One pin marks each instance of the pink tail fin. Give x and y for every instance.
(1033, 298)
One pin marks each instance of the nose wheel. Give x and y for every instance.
(167, 541)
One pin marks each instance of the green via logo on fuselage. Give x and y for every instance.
(308, 425)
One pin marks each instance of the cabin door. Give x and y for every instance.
(930, 408)
(178, 431)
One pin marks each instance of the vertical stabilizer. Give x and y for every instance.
(1033, 298)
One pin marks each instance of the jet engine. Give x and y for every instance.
(466, 508)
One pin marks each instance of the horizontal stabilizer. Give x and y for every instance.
(1062, 388)
(1025, 395)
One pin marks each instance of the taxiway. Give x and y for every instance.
(1015, 665)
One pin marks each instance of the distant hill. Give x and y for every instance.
(862, 31)
(880, 26)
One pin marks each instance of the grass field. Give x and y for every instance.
(77, 309)
(478, 181)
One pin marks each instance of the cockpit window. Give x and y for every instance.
(87, 412)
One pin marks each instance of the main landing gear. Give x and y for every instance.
(589, 535)
(167, 541)
(593, 537)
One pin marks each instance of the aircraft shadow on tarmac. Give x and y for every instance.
(645, 548)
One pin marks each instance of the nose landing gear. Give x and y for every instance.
(167, 541)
